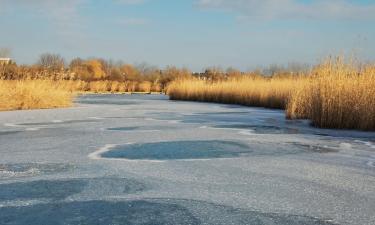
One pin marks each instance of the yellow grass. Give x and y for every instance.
(30, 94)
(337, 95)
(108, 86)
(271, 93)
(334, 95)
(42, 94)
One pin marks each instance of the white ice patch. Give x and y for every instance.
(240, 131)
(97, 154)
(95, 118)
(246, 132)
(11, 125)
(367, 143)
(7, 173)
(33, 128)
(345, 146)
(371, 163)
(173, 121)
(22, 203)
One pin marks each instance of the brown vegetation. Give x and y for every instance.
(334, 94)
(249, 91)
(32, 94)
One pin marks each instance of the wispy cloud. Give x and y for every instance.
(64, 15)
(293, 9)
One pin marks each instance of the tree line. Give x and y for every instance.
(55, 67)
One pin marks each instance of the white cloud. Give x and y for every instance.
(61, 13)
(293, 9)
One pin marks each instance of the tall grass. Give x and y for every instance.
(271, 93)
(41, 94)
(107, 86)
(335, 94)
(32, 94)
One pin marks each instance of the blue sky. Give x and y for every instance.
(190, 33)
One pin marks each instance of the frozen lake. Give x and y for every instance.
(142, 159)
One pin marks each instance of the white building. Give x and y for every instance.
(5, 61)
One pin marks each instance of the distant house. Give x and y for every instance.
(5, 61)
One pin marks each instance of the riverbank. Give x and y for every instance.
(334, 94)
(44, 94)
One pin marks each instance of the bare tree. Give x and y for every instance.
(53, 62)
(297, 68)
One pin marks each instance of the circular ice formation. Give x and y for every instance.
(176, 150)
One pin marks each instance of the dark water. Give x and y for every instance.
(140, 128)
(61, 189)
(260, 129)
(179, 150)
(118, 99)
(4, 133)
(123, 128)
(53, 189)
(144, 212)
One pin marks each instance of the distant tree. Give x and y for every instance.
(273, 69)
(130, 72)
(214, 73)
(148, 72)
(51, 62)
(171, 73)
(233, 73)
(95, 68)
(298, 68)
(79, 69)
(76, 62)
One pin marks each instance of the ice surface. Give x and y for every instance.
(247, 166)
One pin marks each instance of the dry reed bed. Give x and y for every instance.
(335, 95)
(108, 86)
(42, 94)
(270, 93)
(32, 94)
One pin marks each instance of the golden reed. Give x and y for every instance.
(42, 94)
(334, 94)
(33, 94)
